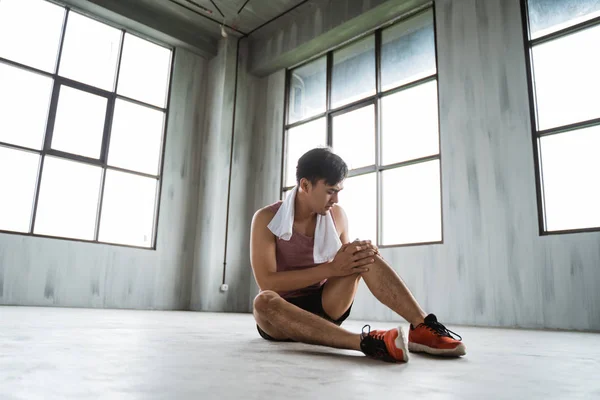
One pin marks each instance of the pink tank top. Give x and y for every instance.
(296, 254)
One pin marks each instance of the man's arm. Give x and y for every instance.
(264, 264)
(341, 223)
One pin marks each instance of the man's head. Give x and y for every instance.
(320, 174)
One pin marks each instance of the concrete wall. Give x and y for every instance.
(49, 272)
(317, 26)
(494, 268)
(213, 190)
(255, 176)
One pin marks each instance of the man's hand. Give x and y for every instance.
(353, 258)
(370, 246)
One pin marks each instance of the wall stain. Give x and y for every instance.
(482, 13)
(576, 263)
(479, 301)
(503, 84)
(501, 185)
(513, 267)
(1, 277)
(460, 265)
(95, 287)
(473, 182)
(548, 290)
(50, 284)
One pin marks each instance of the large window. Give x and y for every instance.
(374, 101)
(563, 59)
(82, 119)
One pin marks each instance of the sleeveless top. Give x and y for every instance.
(296, 254)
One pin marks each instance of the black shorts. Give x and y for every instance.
(313, 304)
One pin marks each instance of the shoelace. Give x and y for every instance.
(440, 330)
(378, 351)
(378, 335)
(363, 334)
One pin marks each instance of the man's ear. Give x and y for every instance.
(305, 184)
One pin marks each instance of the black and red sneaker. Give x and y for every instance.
(383, 345)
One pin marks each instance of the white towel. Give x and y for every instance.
(327, 241)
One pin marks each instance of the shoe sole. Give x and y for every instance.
(458, 351)
(400, 343)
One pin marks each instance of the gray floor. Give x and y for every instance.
(48, 353)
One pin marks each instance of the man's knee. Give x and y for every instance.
(263, 302)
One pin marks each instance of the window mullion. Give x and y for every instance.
(100, 201)
(47, 146)
(329, 120)
(329, 74)
(110, 111)
(62, 40)
(378, 149)
(119, 57)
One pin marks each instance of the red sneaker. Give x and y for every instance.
(383, 345)
(434, 338)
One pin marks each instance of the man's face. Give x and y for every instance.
(322, 196)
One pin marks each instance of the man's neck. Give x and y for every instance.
(302, 212)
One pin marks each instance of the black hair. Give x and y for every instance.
(321, 163)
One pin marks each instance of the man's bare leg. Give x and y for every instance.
(387, 286)
(383, 282)
(283, 320)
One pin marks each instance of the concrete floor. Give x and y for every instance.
(54, 353)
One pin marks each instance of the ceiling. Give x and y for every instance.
(240, 16)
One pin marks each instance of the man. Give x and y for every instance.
(307, 302)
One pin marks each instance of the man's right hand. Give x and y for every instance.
(353, 258)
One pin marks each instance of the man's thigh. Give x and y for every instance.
(338, 295)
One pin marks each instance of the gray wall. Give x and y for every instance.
(255, 176)
(212, 201)
(40, 271)
(494, 268)
(291, 39)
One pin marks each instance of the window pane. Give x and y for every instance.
(307, 92)
(353, 75)
(30, 32)
(144, 73)
(411, 204)
(359, 200)
(90, 52)
(79, 122)
(136, 137)
(18, 173)
(127, 209)
(550, 16)
(410, 124)
(567, 82)
(571, 179)
(300, 140)
(354, 137)
(408, 51)
(68, 199)
(24, 102)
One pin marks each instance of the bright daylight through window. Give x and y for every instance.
(375, 102)
(564, 60)
(82, 121)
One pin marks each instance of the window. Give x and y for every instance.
(82, 120)
(375, 102)
(563, 61)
